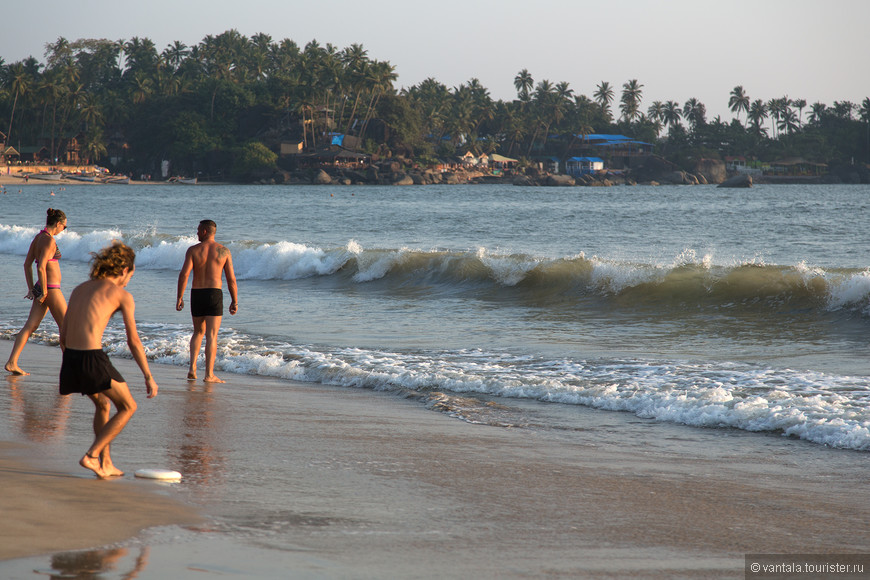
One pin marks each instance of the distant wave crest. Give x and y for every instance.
(689, 280)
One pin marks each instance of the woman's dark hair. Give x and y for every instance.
(54, 217)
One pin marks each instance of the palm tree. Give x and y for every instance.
(757, 114)
(788, 121)
(546, 108)
(20, 85)
(632, 92)
(777, 109)
(382, 76)
(58, 54)
(524, 82)
(141, 55)
(143, 87)
(739, 101)
(817, 111)
(175, 53)
(864, 111)
(94, 146)
(482, 102)
(52, 89)
(671, 114)
(511, 126)
(90, 112)
(353, 59)
(604, 96)
(656, 113)
(843, 109)
(695, 112)
(800, 104)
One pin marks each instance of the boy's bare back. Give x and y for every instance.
(91, 305)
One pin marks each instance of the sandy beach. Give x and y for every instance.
(354, 483)
(11, 181)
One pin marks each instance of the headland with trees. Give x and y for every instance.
(237, 108)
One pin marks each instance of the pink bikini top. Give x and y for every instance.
(56, 250)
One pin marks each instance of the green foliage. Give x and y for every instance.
(188, 136)
(253, 158)
(194, 105)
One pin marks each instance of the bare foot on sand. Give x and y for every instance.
(191, 376)
(94, 464)
(110, 470)
(212, 379)
(15, 369)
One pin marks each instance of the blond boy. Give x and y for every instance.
(86, 368)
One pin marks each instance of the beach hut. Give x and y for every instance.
(468, 160)
(10, 155)
(576, 166)
(502, 163)
(34, 154)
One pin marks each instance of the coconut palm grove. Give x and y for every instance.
(226, 106)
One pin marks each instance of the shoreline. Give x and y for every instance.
(380, 486)
(554, 180)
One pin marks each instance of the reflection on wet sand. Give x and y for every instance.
(197, 454)
(92, 563)
(40, 416)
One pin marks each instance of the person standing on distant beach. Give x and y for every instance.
(86, 367)
(209, 261)
(45, 293)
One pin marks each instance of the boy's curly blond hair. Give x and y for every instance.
(111, 260)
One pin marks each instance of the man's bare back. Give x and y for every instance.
(208, 260)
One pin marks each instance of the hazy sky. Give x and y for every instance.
(677, 49)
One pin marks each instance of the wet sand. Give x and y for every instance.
(338, 483)
(46, 509)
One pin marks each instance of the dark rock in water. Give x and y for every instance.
(451, 178)
(321, 178)
(737, 181)
(401, 178)
(523, 180)
(560, 179)
(355, 176)
(676, 178)
(655, 168)
(711, 170)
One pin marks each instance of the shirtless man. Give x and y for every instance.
(209, 261)
(86, 368)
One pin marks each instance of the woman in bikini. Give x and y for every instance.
(45, 293)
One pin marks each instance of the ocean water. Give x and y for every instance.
(699, 306)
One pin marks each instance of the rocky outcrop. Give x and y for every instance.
(712, 170)
(560, 180)
(523, 181)
(401, 178)
(321, 178)
(654, 168)
(737, 181)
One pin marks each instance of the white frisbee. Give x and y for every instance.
(164, 474)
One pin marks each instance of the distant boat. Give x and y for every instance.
(116, 180)
(80, 177)
(183, 180)
(49, 176)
